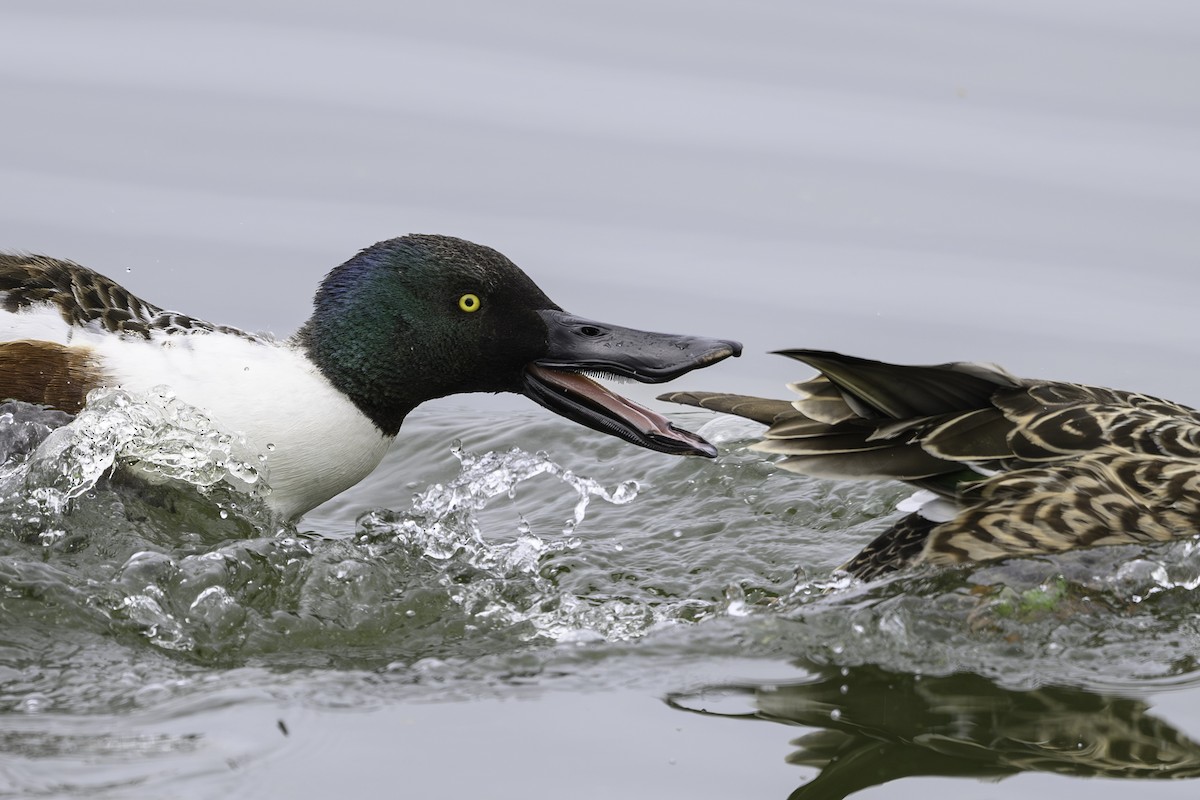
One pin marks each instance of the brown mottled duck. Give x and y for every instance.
(1007, 466)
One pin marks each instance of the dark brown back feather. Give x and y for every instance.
(81, 295)
(85, 297)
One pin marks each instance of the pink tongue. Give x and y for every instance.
(645, 420)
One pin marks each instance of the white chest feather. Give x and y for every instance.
(316, 442)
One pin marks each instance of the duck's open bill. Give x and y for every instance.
(577, 345)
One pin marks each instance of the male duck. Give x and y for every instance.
(1008, 466)
(404, 321)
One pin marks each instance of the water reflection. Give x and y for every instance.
(878, 726)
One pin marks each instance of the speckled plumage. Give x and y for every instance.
(85, 298)
(1031, 466)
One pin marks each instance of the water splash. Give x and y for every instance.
(434, 580)
(427, 571)
(508, 583)
(441, 523)
(153, 434)
(460, 578)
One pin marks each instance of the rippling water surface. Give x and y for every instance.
(160, 624)
(511, 606)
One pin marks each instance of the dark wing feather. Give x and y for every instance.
(910, 423)
(84, 297)
(823, 401)
(754, 408)
(896, 548)
(81, 295)
(903, 463)
(897, 392)
(979, 436)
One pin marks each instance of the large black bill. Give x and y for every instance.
(577, 345)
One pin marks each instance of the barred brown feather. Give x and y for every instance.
(1035, 466)
(85, 297)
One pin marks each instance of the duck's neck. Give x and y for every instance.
(382, 383)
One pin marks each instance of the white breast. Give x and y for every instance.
(316, 442)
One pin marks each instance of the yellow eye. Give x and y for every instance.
(469, 302)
